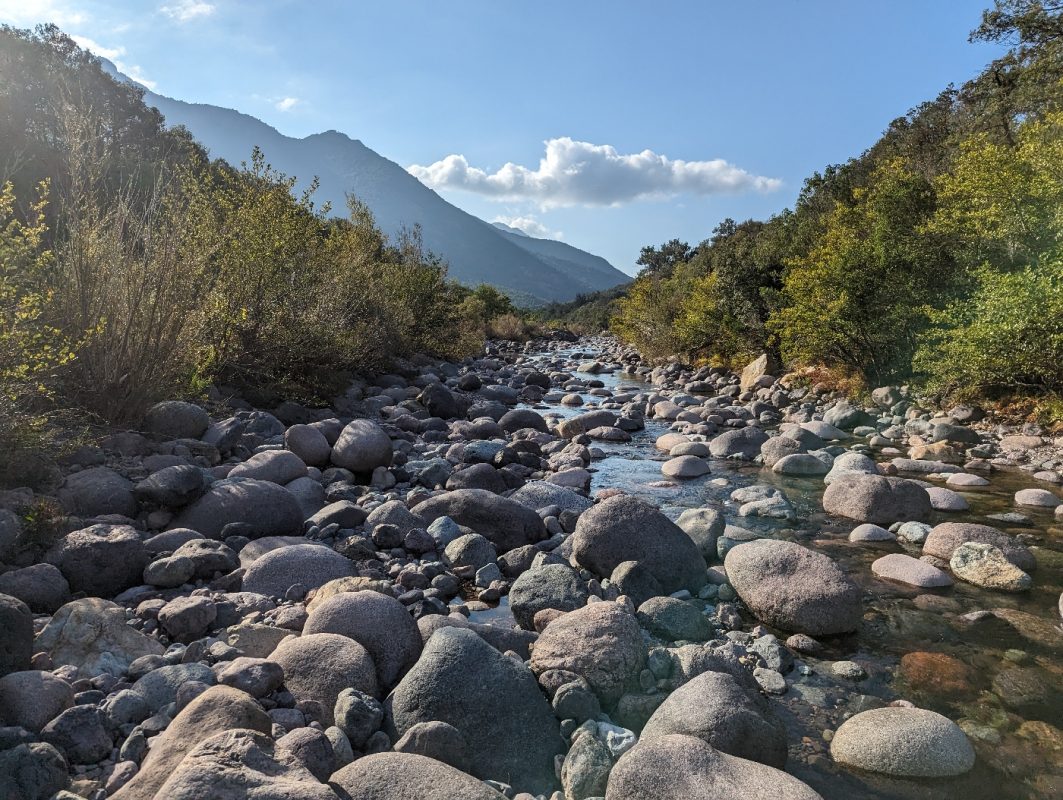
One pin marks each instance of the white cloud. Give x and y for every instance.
(287, 103)
(530, 225)
(580, 173)
(33, 12)
(115, 55)
(184, 10)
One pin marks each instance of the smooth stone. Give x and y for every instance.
(906, 569)
(903, 742)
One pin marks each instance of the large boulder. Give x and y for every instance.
(876, 498)
(717, 709)
(40, 586)
(440, 402)
(102, 560)
(677, 767)
(624, 528)
(601, 642)
(586, 422)
(307, 565)
(850, 463)
(33, 771)
(556, 586)
(319, 666)
(492, 700)
(98, 491)
(505, 523)
(218, 709)
(943, 540)
(744, 443)
(260, 508)
(405, 776)
(758, 370)
(275, 466)
(172, 486)
(793, 588)
(362, 447)
(176, 419)
(16, 635)
(239, 765)
(94, 636)
(520, 418)
(705, 526)
(379, 623)
(540, 494)
(904, 743)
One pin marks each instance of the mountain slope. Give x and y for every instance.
(531, 269)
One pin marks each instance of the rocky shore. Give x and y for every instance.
(555, 571)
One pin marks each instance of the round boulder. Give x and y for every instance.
(406, 776)
(102, 560)
(876, 498)
(176, 419)
(309, 565)
(555, 586)
(261, 508)
(793, 588)
(362, 447)
(507, 524)
(903, 742)
(319, 666)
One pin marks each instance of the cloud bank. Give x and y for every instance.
(184, 10)
(580, 173)
(530, 225)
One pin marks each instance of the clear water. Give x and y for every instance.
(1019, 756)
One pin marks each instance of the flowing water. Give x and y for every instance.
(1019, 755)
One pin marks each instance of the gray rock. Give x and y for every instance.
(685, 467)
(943, 540)
(358, 715)
(256, 676)
(471, 550)
(540, 494)
(92, 635)
(187, 618)
(98, 491)
(507, 524)
(32, 771)
(319, 666)
(779, 447)
(912, 571)
(31, 699)
(262, 509)
(79, 734)
(744, 443)
(601, 643)
(176, 419)
(208, 557)
(680, 767)
(876, 498)
(309, 444)
(801, 464)
(555, 586)
(623, 528)
(16, 635)
(275, 466)
(436, 740)
(168, 573)
(850, 464)
(405, 776)
(673, 620)
(240, 764)
(903, 742)
(704, 526)
(585, 771)
(308, 565)
(362, 447)
(511, 732)
(520, 418)
(218, 709)
(631, 578)
(159, 687)
(379, 623)
(101, 560)
(715, 708)
(343, 513)
(311, 748)
(793, 588)
(172, 486)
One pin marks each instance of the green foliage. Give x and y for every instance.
(662, 261)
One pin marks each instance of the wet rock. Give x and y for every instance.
(801, 464)
(1022, 689)
(260, 507)
(93, 635)
(942, 499)
(623, 528)
(379, 623)
(905, 569)
(871, 533)
(362, 447)
(943, 540)
(405, 776)
(31, 699)
(1037, 498)
(684, 467)
(511, 732)
(101, 560)
(16, 635)
(308, 565)
(318, 666)
(793, 588)
(98, 491)
(903, 742)
(680, 767)
(877, 499)
(719, 711)
(850, 464)
(601, 643)
(555, 586)
(986, 566)
(936, 674)
(505, 523)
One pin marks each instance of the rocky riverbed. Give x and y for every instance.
(554, 571)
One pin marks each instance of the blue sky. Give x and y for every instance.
(659, 119)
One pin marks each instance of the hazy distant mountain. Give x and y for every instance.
(531, 269)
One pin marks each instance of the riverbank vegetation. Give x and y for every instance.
(935, 256)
